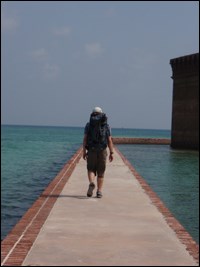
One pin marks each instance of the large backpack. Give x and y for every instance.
(97, 132)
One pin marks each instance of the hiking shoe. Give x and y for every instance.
(90, 189)
(99, 194)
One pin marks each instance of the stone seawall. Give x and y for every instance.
(150, 141)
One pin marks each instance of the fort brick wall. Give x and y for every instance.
(145, 141)
(185, 107)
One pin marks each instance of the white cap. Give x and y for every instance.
(97, 110)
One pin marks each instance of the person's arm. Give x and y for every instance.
(110, 145)
(84, 147)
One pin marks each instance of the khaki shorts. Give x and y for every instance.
(96, 162)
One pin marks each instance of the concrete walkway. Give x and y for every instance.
(124, 228)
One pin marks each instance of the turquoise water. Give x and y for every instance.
(32, 156)
(142, 133)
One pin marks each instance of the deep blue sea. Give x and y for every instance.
(31, 156)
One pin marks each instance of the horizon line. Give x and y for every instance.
(68, 126)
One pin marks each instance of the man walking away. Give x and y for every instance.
(97, 137)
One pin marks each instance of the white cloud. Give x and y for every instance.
(9, 23)
(94, 49)
(51, 71)
(40, 54)
(62, 31)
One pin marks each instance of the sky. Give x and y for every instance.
(60, 59)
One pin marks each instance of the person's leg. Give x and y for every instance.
(100, 171)
(91, 161)
(100, 183)
(91, 176)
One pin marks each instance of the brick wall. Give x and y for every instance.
(185, 107)
(150, 141)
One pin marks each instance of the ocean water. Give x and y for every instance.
(31, 156)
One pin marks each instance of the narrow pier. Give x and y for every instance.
(129, 226)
